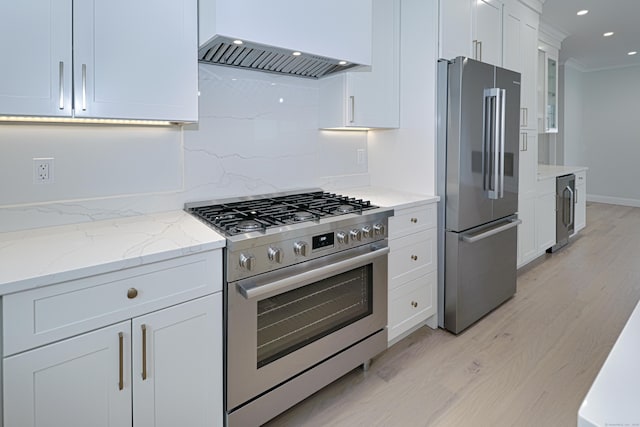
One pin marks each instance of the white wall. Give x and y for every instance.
(607, 136)
(404, 158)
(257, 133)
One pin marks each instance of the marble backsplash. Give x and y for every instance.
(257, 133)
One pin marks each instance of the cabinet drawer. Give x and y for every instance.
(411, 304)
(40, 316)
(411, 256)
(407, 221)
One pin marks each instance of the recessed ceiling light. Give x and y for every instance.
(237, 42)
(582, 12)
(296, 53)
(608, 34)
(342, 63)
(633, 52)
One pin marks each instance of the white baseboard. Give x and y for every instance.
(613, 200)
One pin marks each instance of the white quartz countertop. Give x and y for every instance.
(388, 197)
(614, 397)
(43, 256)
(552, 171)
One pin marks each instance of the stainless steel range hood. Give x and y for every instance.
(222, 51)
(286, 36)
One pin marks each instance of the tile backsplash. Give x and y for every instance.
(257, 133)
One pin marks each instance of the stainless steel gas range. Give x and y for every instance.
(305, 295)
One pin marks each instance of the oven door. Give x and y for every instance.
(282, 323)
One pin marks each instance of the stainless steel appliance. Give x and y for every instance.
(478, 125)
(305, 295)
(565, 210)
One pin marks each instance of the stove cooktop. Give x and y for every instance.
(264, 212)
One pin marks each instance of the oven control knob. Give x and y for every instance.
(366, 231)
(342, 237)
(276, 254)
(247, 261)
(355, 235)
(301, 248)
(378, 229)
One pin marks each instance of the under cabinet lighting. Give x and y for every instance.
(296, 53)
(31, 119)
(238, 42)
(608, 34)
(582, 12)
(633, 52)
(342, 63)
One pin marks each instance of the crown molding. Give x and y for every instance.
(551, 35)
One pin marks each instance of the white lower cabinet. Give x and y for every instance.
(581, 201)
(72, 383)
(527, 246)
(546, 214)
(412, 269)
(162, 368)
(147, 353)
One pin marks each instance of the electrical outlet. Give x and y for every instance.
(42, 170)
(362, 156)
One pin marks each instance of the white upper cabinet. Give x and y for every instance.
(487, 31)
(520, 54)
(129, 60)
(36, 57)
(455, 28)
(368, 99)
(471, 28)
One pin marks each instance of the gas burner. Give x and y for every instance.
(271, 211)
(248, 225)
(303, 216)
(345, 209)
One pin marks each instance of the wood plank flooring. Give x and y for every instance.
(528, 363)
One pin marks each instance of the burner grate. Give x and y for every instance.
(233, 218)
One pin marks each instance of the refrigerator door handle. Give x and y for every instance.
(492, 140)
(501, 104)
(492, 232)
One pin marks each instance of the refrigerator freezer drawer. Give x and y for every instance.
(480, 272)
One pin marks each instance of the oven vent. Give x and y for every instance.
(254, 56)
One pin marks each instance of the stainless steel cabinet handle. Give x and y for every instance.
(525, 117)
(480, 56)
(475, 49)
(121, 360)
(61, 85)
(144, 352)
(352, 109)
(472, 239)
(250, 291)
(84, 87)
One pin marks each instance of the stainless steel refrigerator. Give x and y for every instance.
(478, 146)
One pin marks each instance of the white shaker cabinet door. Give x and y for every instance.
(488, 31)
(177, 365)
(35, 47)
(136, 59)
(79, 382)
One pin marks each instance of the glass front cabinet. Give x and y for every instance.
(547, 89)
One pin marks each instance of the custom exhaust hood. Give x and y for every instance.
(292, 37)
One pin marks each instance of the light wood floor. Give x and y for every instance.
(529, 363)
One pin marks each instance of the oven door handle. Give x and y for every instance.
(251, 291)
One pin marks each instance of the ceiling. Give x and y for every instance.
(585, 44)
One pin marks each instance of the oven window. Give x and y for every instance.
(291, 320)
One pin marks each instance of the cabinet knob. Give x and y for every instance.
(414, 304)
(414, 220)
(132, 293)
(414, 257)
